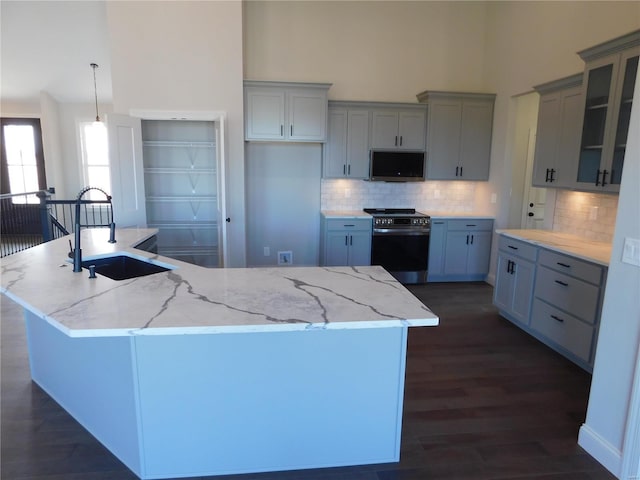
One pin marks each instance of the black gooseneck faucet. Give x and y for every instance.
(77, 251)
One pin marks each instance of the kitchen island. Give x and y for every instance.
(195, 371)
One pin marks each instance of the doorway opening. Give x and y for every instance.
(182, 189)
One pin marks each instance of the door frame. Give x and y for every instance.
(219, 118)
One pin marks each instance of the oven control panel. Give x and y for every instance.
(402, 221)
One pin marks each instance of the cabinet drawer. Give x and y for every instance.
(470, 224)
(349, 224)
(562, 329)
(586, 271)
(567, 293)
(518, 248)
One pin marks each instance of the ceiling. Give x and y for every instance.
(49, 46)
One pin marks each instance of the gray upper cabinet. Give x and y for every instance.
(346, 153)
(558, 134)
(609, 80)
(402, 129)
(459, 135)
(290, 112)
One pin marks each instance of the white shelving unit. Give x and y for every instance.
(181, 185)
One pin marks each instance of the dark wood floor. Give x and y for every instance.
(483, 401)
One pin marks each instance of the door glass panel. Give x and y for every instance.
(622, 128)
(595, 115)
(22, 166)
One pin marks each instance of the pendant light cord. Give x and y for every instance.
(95, 89)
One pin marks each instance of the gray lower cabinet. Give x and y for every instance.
(515, 276)
(459, 250)
(346, 241)
(561, 307)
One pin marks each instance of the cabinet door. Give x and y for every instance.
(524, 274)
(443, 148)
(307, 115)
(265, 114)
(337, 249)
(384, 129)
(437, 242)
(566, 159)
(475, 140)
(360, 248)
(456, 253)
(548, 131)
(411, 130)
(629, 70)
(479, 252)
(358, 144)
(335, 150)
(503, 290)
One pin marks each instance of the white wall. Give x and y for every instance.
(283, 200)
(185, 56)
(613, 373)
(378, 51)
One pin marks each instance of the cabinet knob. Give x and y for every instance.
(530, 214)
(228, 219)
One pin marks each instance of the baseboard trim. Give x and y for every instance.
(596, 446)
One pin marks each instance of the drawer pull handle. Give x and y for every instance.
(564, 284)
(557, 318)
(471, 225)
(563, 265)
(348, 225)
(512, 247)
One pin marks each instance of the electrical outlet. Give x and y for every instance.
(593, 213)
(494, 198)
(436, 194)
(285, 257)
(267, 251)
(347, 193)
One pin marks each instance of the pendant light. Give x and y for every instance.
(95, 89)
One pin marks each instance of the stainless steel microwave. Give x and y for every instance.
(396, 166)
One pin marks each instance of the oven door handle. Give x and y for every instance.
(395, 231)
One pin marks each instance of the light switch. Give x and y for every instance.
(631, 251)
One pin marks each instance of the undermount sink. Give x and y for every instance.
(123, 267)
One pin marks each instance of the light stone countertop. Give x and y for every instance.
(193, 299)
(457, 215)
(361, 214)
(579, 247)
(346, 214)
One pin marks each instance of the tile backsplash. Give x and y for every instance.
(589, 215)
(341, 194)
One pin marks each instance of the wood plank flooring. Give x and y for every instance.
(483, 401)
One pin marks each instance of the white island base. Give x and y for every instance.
(196, 372)
(211, 404)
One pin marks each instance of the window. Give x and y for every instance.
(22, 165)
(95, 158)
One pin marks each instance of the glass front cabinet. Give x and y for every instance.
(610, 76)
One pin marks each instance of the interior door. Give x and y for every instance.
(535, 198)
(127, 178)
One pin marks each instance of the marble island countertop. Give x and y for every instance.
(193, 299)
(590, 250)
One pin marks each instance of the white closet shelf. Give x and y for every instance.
(183, 198)
(176, 143)
(173, 170)
(196, 225)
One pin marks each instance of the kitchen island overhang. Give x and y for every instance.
(199, 372)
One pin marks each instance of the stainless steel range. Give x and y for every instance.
(400, 242)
